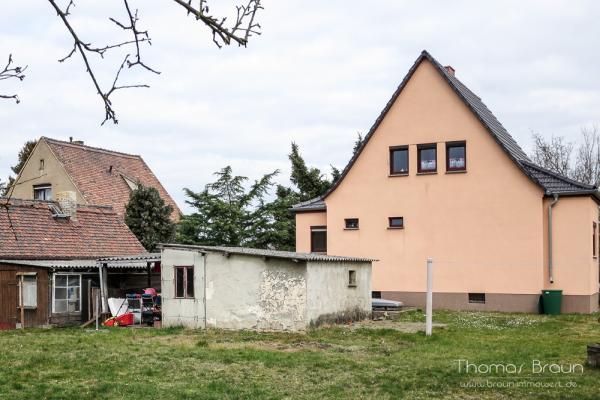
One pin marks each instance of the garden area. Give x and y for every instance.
(472, 356)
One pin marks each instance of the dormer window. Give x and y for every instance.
(456, 156)
(427, 158)
(399, 160)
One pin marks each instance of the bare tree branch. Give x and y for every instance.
(12, 72)
(84, 49)
(239, 32)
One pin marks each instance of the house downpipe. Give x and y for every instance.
(550, 263)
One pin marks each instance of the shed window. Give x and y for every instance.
(67, 298)
(352, 278)
(184, 282)
(478, 298)
(396, 222)
(399, 160)
(29, 290)
(427, 157)
(351, 223)
(318, 239)
(42, 192)
(456, 156)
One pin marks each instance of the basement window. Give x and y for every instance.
(477, 298)
(352, 278)
(351, 223)
(184, 282)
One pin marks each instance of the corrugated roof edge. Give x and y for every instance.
(290, 255)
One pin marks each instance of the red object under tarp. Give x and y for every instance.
(122, 320)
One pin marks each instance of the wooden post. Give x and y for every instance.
(429, 305)
(97, 298)
(22, 302)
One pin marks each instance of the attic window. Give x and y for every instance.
(42, 166)
(427, 158)
(456, 156)
(42, 192)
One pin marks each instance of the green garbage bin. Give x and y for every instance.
(552, 300)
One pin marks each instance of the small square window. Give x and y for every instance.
(351, 278)
(477, 298)
(399, 160)
(42, 192)
(396, 222)
(427, 157)
(456, 156)
(351, 223)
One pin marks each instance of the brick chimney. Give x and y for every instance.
(68, 204)
(450, 70)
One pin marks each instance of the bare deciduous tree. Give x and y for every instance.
(225, 32)
(556, 154)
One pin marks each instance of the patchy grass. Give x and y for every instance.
(329, 362)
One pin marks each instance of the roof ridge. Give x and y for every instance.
(557, 175)
(90, 148)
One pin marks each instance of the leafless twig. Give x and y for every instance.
(239, 32)
(12, 72)
(84, 49)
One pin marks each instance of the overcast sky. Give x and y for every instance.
(320, 72)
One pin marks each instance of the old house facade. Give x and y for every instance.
(438, 176)
(50, 261)
(89, 175)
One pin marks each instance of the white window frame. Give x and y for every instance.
(22, 276)
(43, 187)
(54, 287)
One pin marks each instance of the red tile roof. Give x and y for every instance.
(100, 175)
(28, 230)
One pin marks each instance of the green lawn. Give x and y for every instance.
(336, 363)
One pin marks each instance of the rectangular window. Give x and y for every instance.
(396, 222)
(67, 297)
(478, 298)
(399, 160)
(427, 157)
(594, 239)
(29, 288)
(456, 156)
(352, 278)
(351, 223)
(42, 164)
(42, 192)
(184, 282)
(318, 239)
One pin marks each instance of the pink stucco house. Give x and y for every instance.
(438, 176)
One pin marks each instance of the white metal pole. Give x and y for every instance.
(97, 306)
(429, 305)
